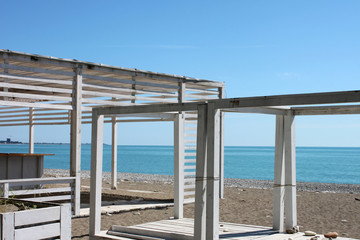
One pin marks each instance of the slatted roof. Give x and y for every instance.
(48, 84)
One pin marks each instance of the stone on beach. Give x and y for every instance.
(331, 235)
(310, 233)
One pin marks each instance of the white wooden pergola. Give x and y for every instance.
(208, 173)
(42, 90)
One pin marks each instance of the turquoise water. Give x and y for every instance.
(314, 164)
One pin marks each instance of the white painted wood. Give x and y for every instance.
(36, 88)
(38, 232)
(65, 222)
(35, 216)
(36, 105)
(114, 148)
(96, 173)
(213, 163)
(24, 57)
(5, 190)
(201, 173)
(261, 110)
(40, 191)
(36, 96)
(179, 165)
(31, 130)
(6, 63)
(32, 181)
(327, 110)
(290, 171)
(75, 136)
(37, 79)
(49, 198)
(279, 176)
(8, 226)
(221, 146)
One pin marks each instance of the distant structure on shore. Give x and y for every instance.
(8, 141)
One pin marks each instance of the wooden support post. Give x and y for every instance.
(212, 193)
(290, 171)
(179, 156)
(200, 184)
(31, 130)
(279, 176)
(96, 174)
(222, 146)
(75, 140)
(114, 154)
(179, 165)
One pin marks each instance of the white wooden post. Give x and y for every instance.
(8, 222)
(290, 171)
(279, 176)
(75, 146)
(200, 184)
(222, 146)
(31, 130)
(179, 150)
(65, 222)
(96, 174)
(114, 154)
(212, 193)
(179, 165)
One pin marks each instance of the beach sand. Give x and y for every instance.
(319, 211)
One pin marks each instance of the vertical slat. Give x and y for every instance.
(75, 147)
(212, 199)
(8, 225)
(65, 222)
(279, 177)
(31, 130)
(200, 184)
(290, 171)
(114, 154)
(96, 173)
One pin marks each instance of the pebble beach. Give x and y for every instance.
(321, 207)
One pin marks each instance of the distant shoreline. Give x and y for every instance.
(229, 182)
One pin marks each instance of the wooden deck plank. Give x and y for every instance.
(230, 231)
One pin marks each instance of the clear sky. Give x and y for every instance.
(256, 47)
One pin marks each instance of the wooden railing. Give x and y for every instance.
(36, 189)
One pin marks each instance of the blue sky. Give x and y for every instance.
(256, 47)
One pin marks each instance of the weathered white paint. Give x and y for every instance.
(290, 171)
(31, 130)
(96, 173)
(279, 176)
(179, 165)
(75, 136)
(114, 146)
(201, 173)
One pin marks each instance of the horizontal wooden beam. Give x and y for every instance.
(327, 110)
(288, 100)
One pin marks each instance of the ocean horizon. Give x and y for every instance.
(314, 164)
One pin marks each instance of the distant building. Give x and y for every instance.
(8, 140)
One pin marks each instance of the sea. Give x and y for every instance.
(314, 164)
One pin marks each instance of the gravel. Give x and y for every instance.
(229, 182)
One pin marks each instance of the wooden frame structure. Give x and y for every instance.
(284, 107)
(42, 90)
